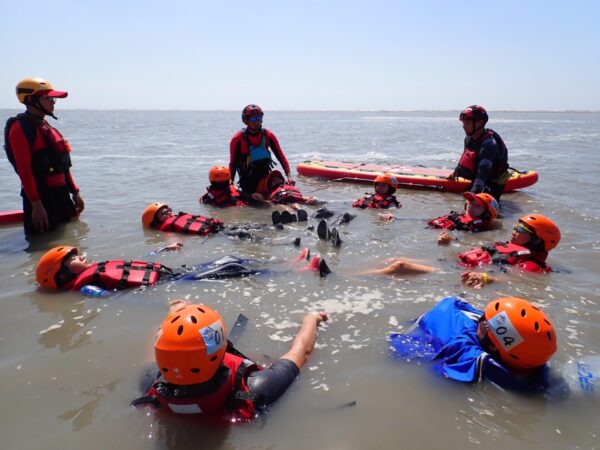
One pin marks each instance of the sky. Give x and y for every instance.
(308, 55)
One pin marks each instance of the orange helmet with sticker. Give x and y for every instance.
(487, 201)
(190, 344)
(50, 265)
(387, 178)
(522, 333)
(544, 228)
(150, 213)
(219, 174)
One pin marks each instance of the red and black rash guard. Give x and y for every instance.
(238, 151)
(24, 153)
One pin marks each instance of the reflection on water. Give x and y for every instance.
(79, 360)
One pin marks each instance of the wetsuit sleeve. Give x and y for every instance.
(233, 154)
(488, 154)
(22, 155)
(274, 144)
(498, 374)
(269, 384)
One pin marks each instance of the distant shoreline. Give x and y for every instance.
(561, 111)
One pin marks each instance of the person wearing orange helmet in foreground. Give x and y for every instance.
(221, 192)
(533, 237)
(508, 343)
(383, 198)
(480, 212)
(200, 372)
(41, 157)
(251, 150)
(160, 216)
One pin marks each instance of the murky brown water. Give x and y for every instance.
(69, 366)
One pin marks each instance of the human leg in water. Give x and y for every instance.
(402, 266)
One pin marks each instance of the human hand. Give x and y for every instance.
(79, 204)
(290, 179)
(39, 217)
(452, 176)
(444, 238)
(174, 246)
(387, 217)
(474, 279)
(318, 317)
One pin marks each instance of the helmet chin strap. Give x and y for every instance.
(39, 106)
(475, 130)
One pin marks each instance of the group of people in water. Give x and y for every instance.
(200, 371)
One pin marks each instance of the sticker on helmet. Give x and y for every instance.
(504, 331)
(214, 337)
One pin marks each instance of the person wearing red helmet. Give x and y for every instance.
(250, 152)
(485, 157)
(41, 157)
(508, 343)
(533, 237)
(221, 193)
(383, 198)
(480, 212)
(201, 372)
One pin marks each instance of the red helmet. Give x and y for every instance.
(190, 345)
(251, 111)
(474, 113)
(389, 179)
(544, 228)
(522, 333)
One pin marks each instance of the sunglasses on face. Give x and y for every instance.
(255, 119)
(520, 228)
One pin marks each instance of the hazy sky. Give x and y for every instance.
(285, 55)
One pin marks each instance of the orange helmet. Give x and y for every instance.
(387, 178)
(50, 264)
(544, 228)
(487, 201)
(522, 333)
(150, 212)
(190, 345)
(219, 174)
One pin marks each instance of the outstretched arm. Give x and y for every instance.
(400, 266)
(304, 343)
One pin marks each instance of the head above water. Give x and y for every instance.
(488, 204)
(155, 213)
(536, 229)
(58, 266)
(252, 116)
(219, 175)
(190, 345)
(274, 180)
(388, 180)
(520, 333)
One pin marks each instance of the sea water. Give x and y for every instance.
(70, 365)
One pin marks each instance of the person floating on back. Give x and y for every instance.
(159, 216)
(485, 157)
(201, 372)
(250, 152)
(532, 239)
(480, 212)
(509, 343)
(383, 198)
(221, 192)
(41, 157)
(280, 192)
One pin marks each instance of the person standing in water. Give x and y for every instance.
(41, 157)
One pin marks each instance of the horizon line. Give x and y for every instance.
(325, 110)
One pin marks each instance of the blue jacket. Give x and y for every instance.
(447, 336)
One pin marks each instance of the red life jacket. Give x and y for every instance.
(377, 201)
(189, 224)
(512, 254)
(286, 193)
(53, 159)
(467, 165)
(230, 400)
(223, 197)
(120, 274)
(459, 221)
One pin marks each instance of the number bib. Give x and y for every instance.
(504, 331)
